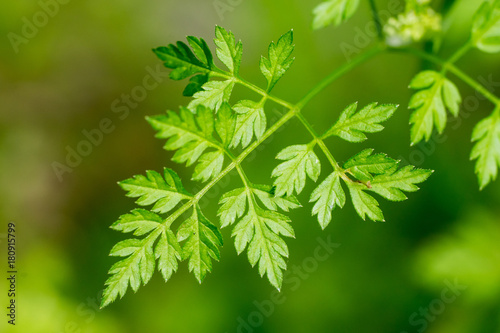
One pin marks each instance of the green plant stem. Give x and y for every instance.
(460, 53)
(338, 73)
(376, 18)
(317, 140)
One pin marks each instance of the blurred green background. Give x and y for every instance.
(384, 277)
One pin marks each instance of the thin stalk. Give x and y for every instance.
(338, 73)
(376, 18)
(460, 53)
(317, 140)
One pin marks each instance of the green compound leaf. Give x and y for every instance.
(228, 51)
(232, 206)
(352, 125)
(279, 60)
(250, 120)
(165, 192)
(202, 134)
(140, 221)
(202, 240)
(328, 195)
(333, 12)
(210, 166)
(212, 95)
(195, 84)
(384, 178)
(183, 61)
(364, 164)
(133, 270)
(365, 204)
(168, 252)
(191, 135)
(261, 229)
(430, 103)
(266, 195)
(300, 160)
(139, 265)
(225, 124)
(392, 184)
(486, 134)
(486, 27)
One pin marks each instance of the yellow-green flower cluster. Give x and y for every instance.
(413, 25)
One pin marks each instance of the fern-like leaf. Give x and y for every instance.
(279, 60)
(228, 51)
(333, 12)
(328, 195)
(486, 134)
(250, 120)
(364, 204)
(486, 27)
(138, 266)
(212, 95)
(261, 229)
(300, 162)
(266, 195)
(391, 185)
(436, 94)
(352, 126)
(191, 135)
(202, 240)
(165, 192)
(380, 174)
(364, 165)
(183, 61)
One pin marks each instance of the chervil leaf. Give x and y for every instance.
(184, 61)
(486, 27)
(430, 103)
(392, 184)
(212, 95)
(351, 126)
(140, 221)
(300, 160)
(487, 149)
(165, 192)
(210, 166)
(327, 196)
(185, 133)
(232, 206)
(364, 165)
(191, 135)
(260, 229)
(225, 124)
(278, 63)
(266, 195)
(202, 240)
(195, 84)
(250, 119)
(227, 51)
(365, 204)
(333, 12)
(137, 268)
(168, 252)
